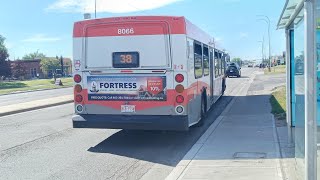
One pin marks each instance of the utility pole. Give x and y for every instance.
(95, 9)
(262, 50)
(267, 20)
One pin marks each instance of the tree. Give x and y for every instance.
(5, 69)
(237, 60)
(18, 70)
(49, 64)
(35, 55)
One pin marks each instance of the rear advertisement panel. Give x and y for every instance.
(126, 88)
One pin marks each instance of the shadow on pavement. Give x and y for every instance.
(164, 147)
(169, 147)
(241, 77)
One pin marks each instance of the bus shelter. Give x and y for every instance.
(300, 19)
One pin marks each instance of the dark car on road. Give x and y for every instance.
(233, 70)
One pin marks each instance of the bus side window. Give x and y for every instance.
(198, 71)
(189, 46)
(223, 64)
(220, 64)
(211, 61)
(206, 69)
(216, 67)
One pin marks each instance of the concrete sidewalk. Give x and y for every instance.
(36, 104)
(240, 145)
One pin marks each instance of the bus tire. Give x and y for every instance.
(203, 110)
(224, 86)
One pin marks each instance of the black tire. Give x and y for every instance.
(223, 87)
(203, 110)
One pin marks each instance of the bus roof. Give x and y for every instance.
(175, 24)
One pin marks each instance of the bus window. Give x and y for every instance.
(206, 70)
(216, 67)
(223, 64)
(198, 71)
(219, 63)
(211, 61)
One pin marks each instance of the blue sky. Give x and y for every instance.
(46, 25)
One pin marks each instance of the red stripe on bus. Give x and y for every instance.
(126, 71)
(140, 105)
(189, 94)
(143, 25)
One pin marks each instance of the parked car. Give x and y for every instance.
(233, 70)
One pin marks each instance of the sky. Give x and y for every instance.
(46, 25)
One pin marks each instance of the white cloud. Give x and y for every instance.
(41, 38)
(111, 6)
(243, 35)
(9, 45)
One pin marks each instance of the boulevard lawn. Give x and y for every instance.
(18, 86)
(278, 102)
(276, 70)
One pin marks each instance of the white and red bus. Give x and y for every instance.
(145, 72)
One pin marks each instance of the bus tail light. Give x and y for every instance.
(78, 88)
(179, 78)
(179, 99)
(78, 98)
(77, 78)
(179, 88)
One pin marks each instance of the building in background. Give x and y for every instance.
(26, 69)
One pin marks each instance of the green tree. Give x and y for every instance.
(35, 55)
(18, 70)
(49, 64)
(237, 60)
(5, 69)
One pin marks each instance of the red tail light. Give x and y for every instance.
(78, 88)
(179, 99)
(77, 78)
(78, 98)
(179, 78)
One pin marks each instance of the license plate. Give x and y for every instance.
(128, 108)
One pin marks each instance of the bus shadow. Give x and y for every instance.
(163, 147)
(168, 148)
(242, 77)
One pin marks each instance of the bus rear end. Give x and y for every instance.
(124, 77)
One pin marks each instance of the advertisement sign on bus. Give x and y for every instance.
(124, 88)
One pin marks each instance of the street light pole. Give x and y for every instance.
(262, 54)
(267, 20)
(95, 9)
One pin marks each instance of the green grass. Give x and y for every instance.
(15, 86)
(276, 70)
(278, 102)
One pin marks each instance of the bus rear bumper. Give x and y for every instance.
(142, 122)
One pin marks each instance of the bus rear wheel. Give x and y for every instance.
(203, 111)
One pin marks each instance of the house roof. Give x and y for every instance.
(289, 12)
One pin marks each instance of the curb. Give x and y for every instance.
(35, 108)
(20, 92)
(280, 169)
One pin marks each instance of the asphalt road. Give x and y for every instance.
(42, 144)
(31, 96)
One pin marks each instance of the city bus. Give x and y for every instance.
(145, 72)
